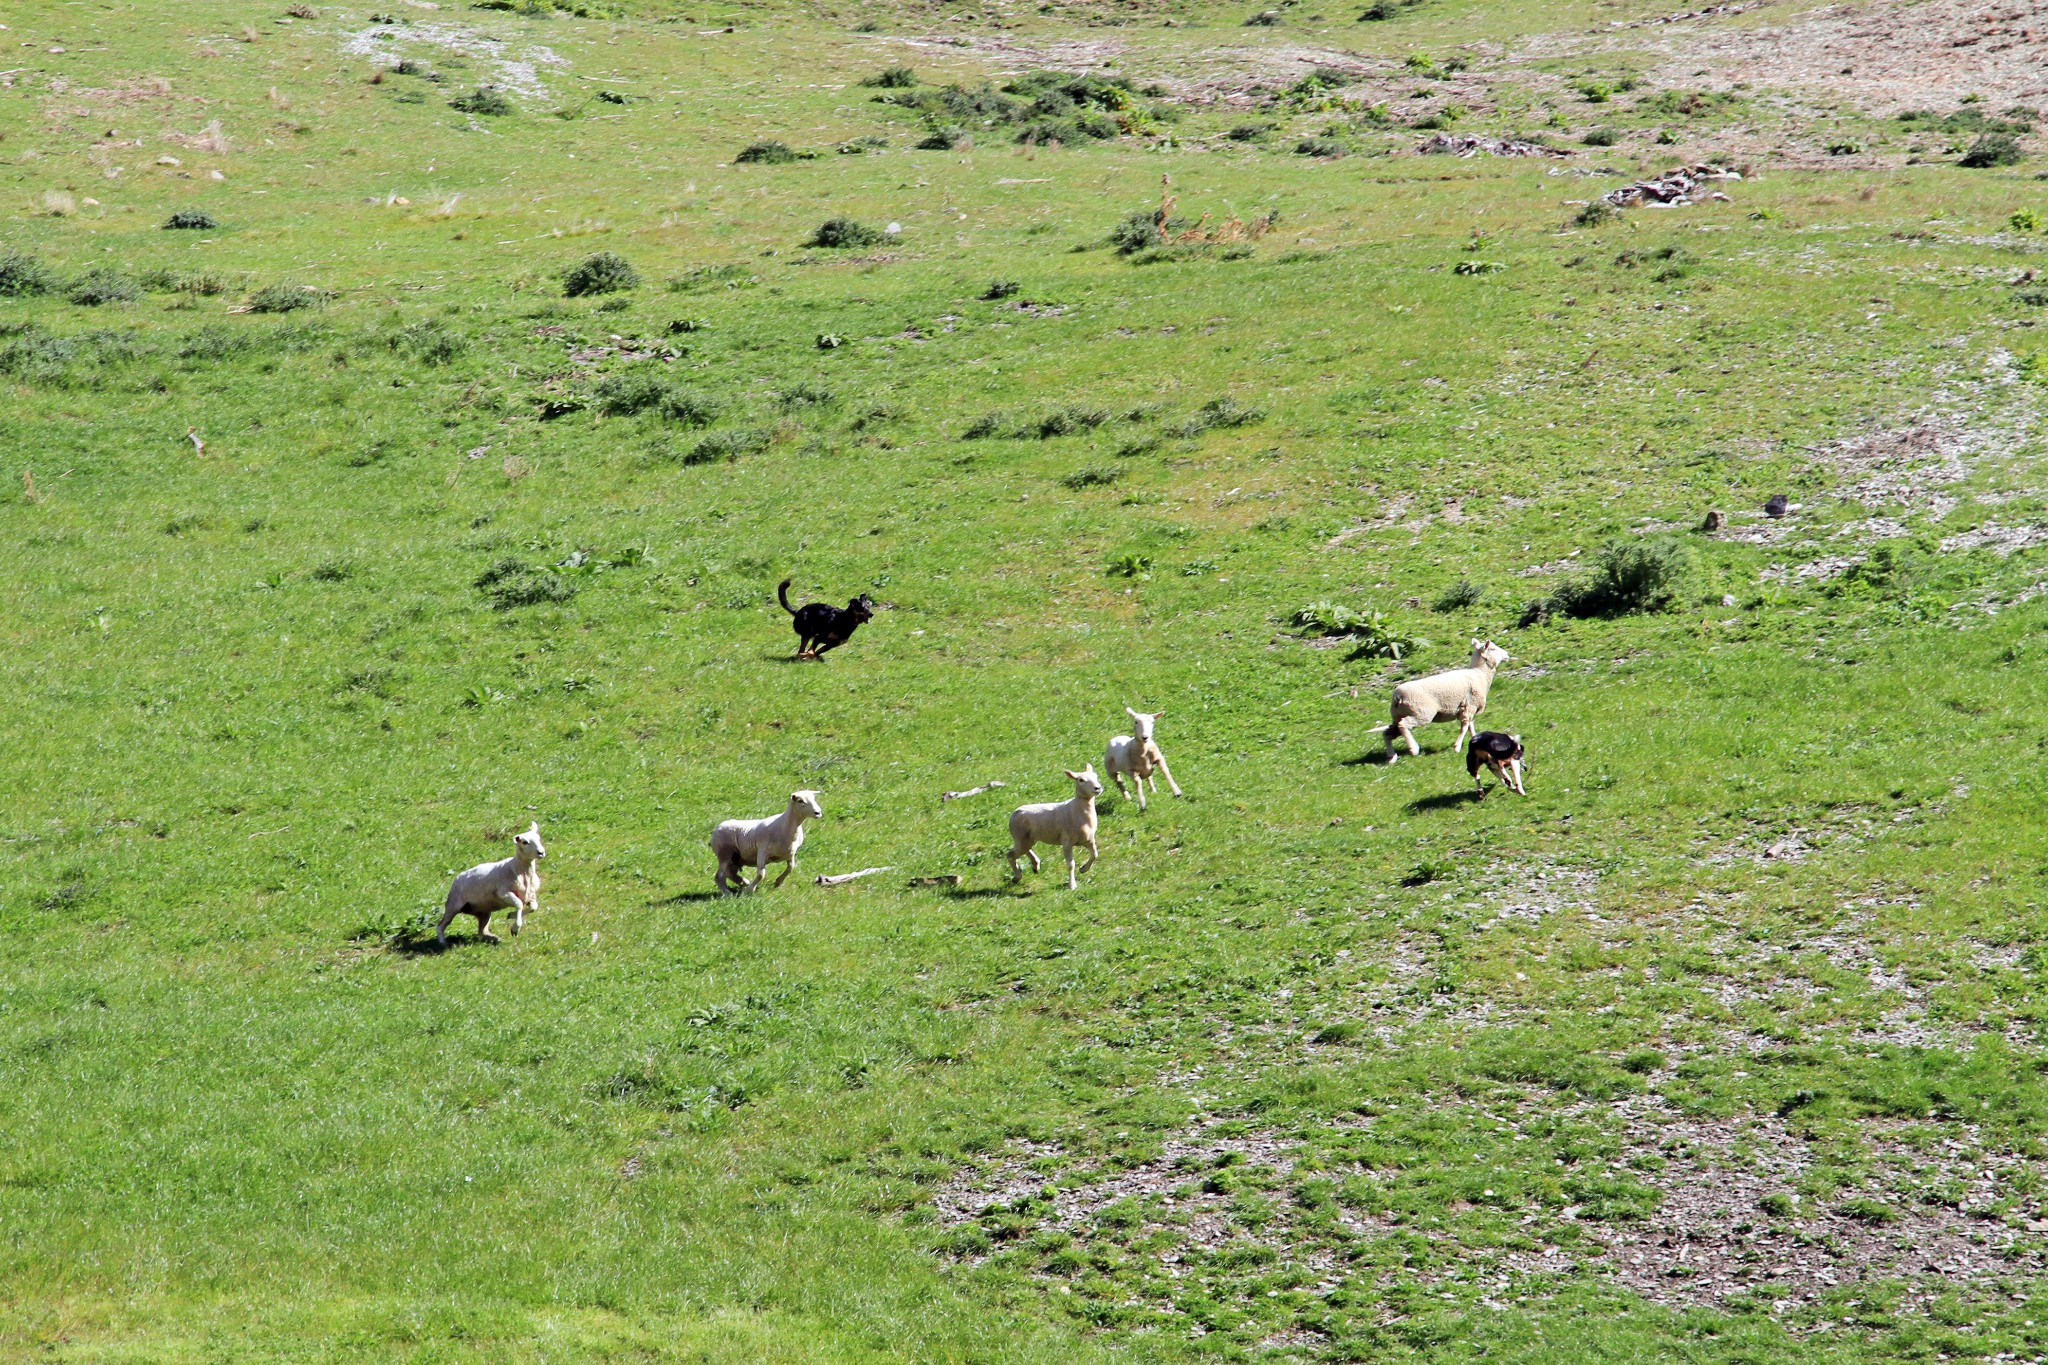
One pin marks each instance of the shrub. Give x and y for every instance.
(841, 234)
(1993, 149)
(2024, 220)
(1844, 148)
(485, 99)
(981, 428)
(1477, 268)
(1265, 18)
(892, 78)
(804, 394)
(1000, 289)
(940, 140)
(190, 219)
(1460, 595)
(431, 342)
(512, 583)
(1320, 147)
(644, 388)
(1223, 412)
(1628, 576)
(1329, 620)
(605, 273)
(1141, 231)
(861, 145)
(1064, 421)
(769, 154)
(1095, 476)
(100, 285)
(1596, 214)
(722, 446)
(282, 297)
(1127, 565)
(22, 275)
(1249, 132)
(1601, 137)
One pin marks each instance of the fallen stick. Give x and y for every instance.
(852, 876)
(971, 791)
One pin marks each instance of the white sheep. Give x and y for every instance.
(741, 844)
(1065, 823)
(509, 884)
(1459, 694)
(1138, 755)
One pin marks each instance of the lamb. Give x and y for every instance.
(740, 844)
(1138, 755)
(1459, 694)
(1065, 823)
(510, 884)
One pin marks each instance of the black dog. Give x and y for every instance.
(820, 627)
(1502, 753)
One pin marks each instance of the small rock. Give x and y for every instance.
(1778, 506)
(168, 161)
(1728, 599)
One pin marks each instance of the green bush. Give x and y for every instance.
(101, 285)
(513, 583)
(1377, 638)
(892, 78)
(430, 342)
(1595, 214)
(1633, 575)
(282, 297)
(190, 219)
(22, 275)
(725, 446)
(769, 153)
(840, 234)
(1225, 412)
(645, 388)
(1095, 476)
(1993, 149)
(1460, 595)
(1601, 137)
(605, 273)
(2024, 220)
(1064, 421)
(1320, 147)
(485, 99)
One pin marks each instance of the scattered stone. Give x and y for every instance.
(1680, 185)
(1458, 144)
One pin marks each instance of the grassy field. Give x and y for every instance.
(1725, 1045)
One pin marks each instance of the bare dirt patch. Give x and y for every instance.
(1883, 58)
(514, 69)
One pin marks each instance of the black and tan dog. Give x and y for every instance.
(1502, 753)
(820, 626)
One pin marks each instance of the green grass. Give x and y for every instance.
(461, 552)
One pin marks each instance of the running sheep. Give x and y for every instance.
(741, 844)
(510, 884)
(1459, 695)
(1065, 823)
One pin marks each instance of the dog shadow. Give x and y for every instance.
(975, 893)
(1422, 805)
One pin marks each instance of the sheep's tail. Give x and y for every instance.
(782, 591)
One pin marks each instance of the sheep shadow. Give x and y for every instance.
(685, 898)
(975, 893)
(1422, 805)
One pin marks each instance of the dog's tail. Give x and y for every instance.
(782, 591)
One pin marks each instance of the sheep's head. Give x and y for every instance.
(807, 802)
(1142, 723)
(529, 844)
(1086, 783)
(1488, 653)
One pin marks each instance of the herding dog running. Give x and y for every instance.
(1502, 753)
(820, 626)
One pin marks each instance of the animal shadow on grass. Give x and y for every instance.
(1422, 805)
(1377, 758)
(685, 898)
(976, 893)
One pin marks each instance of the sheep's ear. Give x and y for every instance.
(1478, 643)
(1071, 773)
(1157, 714)
(1129, 712)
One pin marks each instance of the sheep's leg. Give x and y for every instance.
(483, 924)
(760, 870)
(787, 869)
(1466, 730)
(1091, 856)
(1175, 786)
(1407, 729)
(1515, 777)
(516, 906)
(1116, 775)
(1068, 849)
(448, 915)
